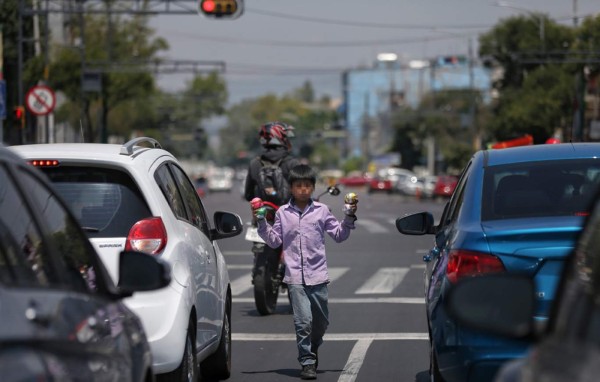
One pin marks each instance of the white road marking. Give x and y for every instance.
(372, 226)
(358, 353)
(332, 336)
(337, 272)
(355, 360)
(239, 266)
(356, 300)
(383, 281)
(241, 285)
(239, 253)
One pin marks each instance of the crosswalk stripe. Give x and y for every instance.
(241, 285)
(383, 281)
(238, 253)
(238, 266)
(372, 226)
(337, 272)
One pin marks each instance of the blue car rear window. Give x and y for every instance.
(536, 189)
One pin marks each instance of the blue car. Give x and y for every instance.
(517, 210)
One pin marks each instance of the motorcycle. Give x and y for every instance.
(268, 268)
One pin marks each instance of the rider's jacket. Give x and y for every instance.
(302, 234)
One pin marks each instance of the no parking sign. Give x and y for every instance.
(40, 100)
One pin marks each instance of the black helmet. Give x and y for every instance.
(276, 134)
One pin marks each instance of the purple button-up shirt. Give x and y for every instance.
(302, 234)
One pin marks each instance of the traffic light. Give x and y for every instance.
(226, 9)
(19, 116)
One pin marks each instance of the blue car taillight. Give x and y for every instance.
(463, 263)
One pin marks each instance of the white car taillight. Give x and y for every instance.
(148, 236)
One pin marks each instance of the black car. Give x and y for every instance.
(62, 316)
(566, 347)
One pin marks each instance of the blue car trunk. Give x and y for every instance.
(536, 247)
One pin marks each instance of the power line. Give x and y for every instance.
(361, 24)
(322, 44)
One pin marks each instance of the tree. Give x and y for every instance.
(444, 116)
(535, 95)
(517, 36)
(126, 39)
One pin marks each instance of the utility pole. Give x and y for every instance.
(473, 96)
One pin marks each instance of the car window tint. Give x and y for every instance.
(106, 202)
(535, 189)
(190, 196)
(73, 248)
(458, 194)
(168, 186)
(23, 259)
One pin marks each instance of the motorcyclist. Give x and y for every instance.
(274, 138)
(267, 268)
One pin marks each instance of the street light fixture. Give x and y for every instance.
(538, 15)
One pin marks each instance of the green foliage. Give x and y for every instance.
(537, 95)
(124, 39)
(445, 117)
(520, 35)
(354, 164)
(537, 108)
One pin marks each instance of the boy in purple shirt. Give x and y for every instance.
(300, 227)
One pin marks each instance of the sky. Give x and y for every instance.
(277, 45)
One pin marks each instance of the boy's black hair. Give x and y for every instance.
(302, 172)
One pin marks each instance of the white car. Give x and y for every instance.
(136, 197)
(220, 181)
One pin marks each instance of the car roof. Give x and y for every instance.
(100, 153)
(9, 155)
(541, 152)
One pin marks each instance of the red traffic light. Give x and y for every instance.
(208, 6)
(19, 112)
(226, 9)
(19, 116)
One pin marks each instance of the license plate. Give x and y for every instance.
(252, 235)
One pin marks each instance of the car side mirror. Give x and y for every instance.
(500, 304)
(227, 225)
(415, 224)
(141, 272)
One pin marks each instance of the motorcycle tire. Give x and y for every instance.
(265, 290)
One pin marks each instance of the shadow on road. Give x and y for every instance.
(295, 373)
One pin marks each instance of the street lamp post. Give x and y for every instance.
(539, 16)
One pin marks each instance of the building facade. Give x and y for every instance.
(371, 93)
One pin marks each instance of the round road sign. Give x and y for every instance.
(40, 100)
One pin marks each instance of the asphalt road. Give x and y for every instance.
(377, 326)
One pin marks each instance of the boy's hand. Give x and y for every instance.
(350, 204)
(258, 210)
(350, 209)
(260, 213)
